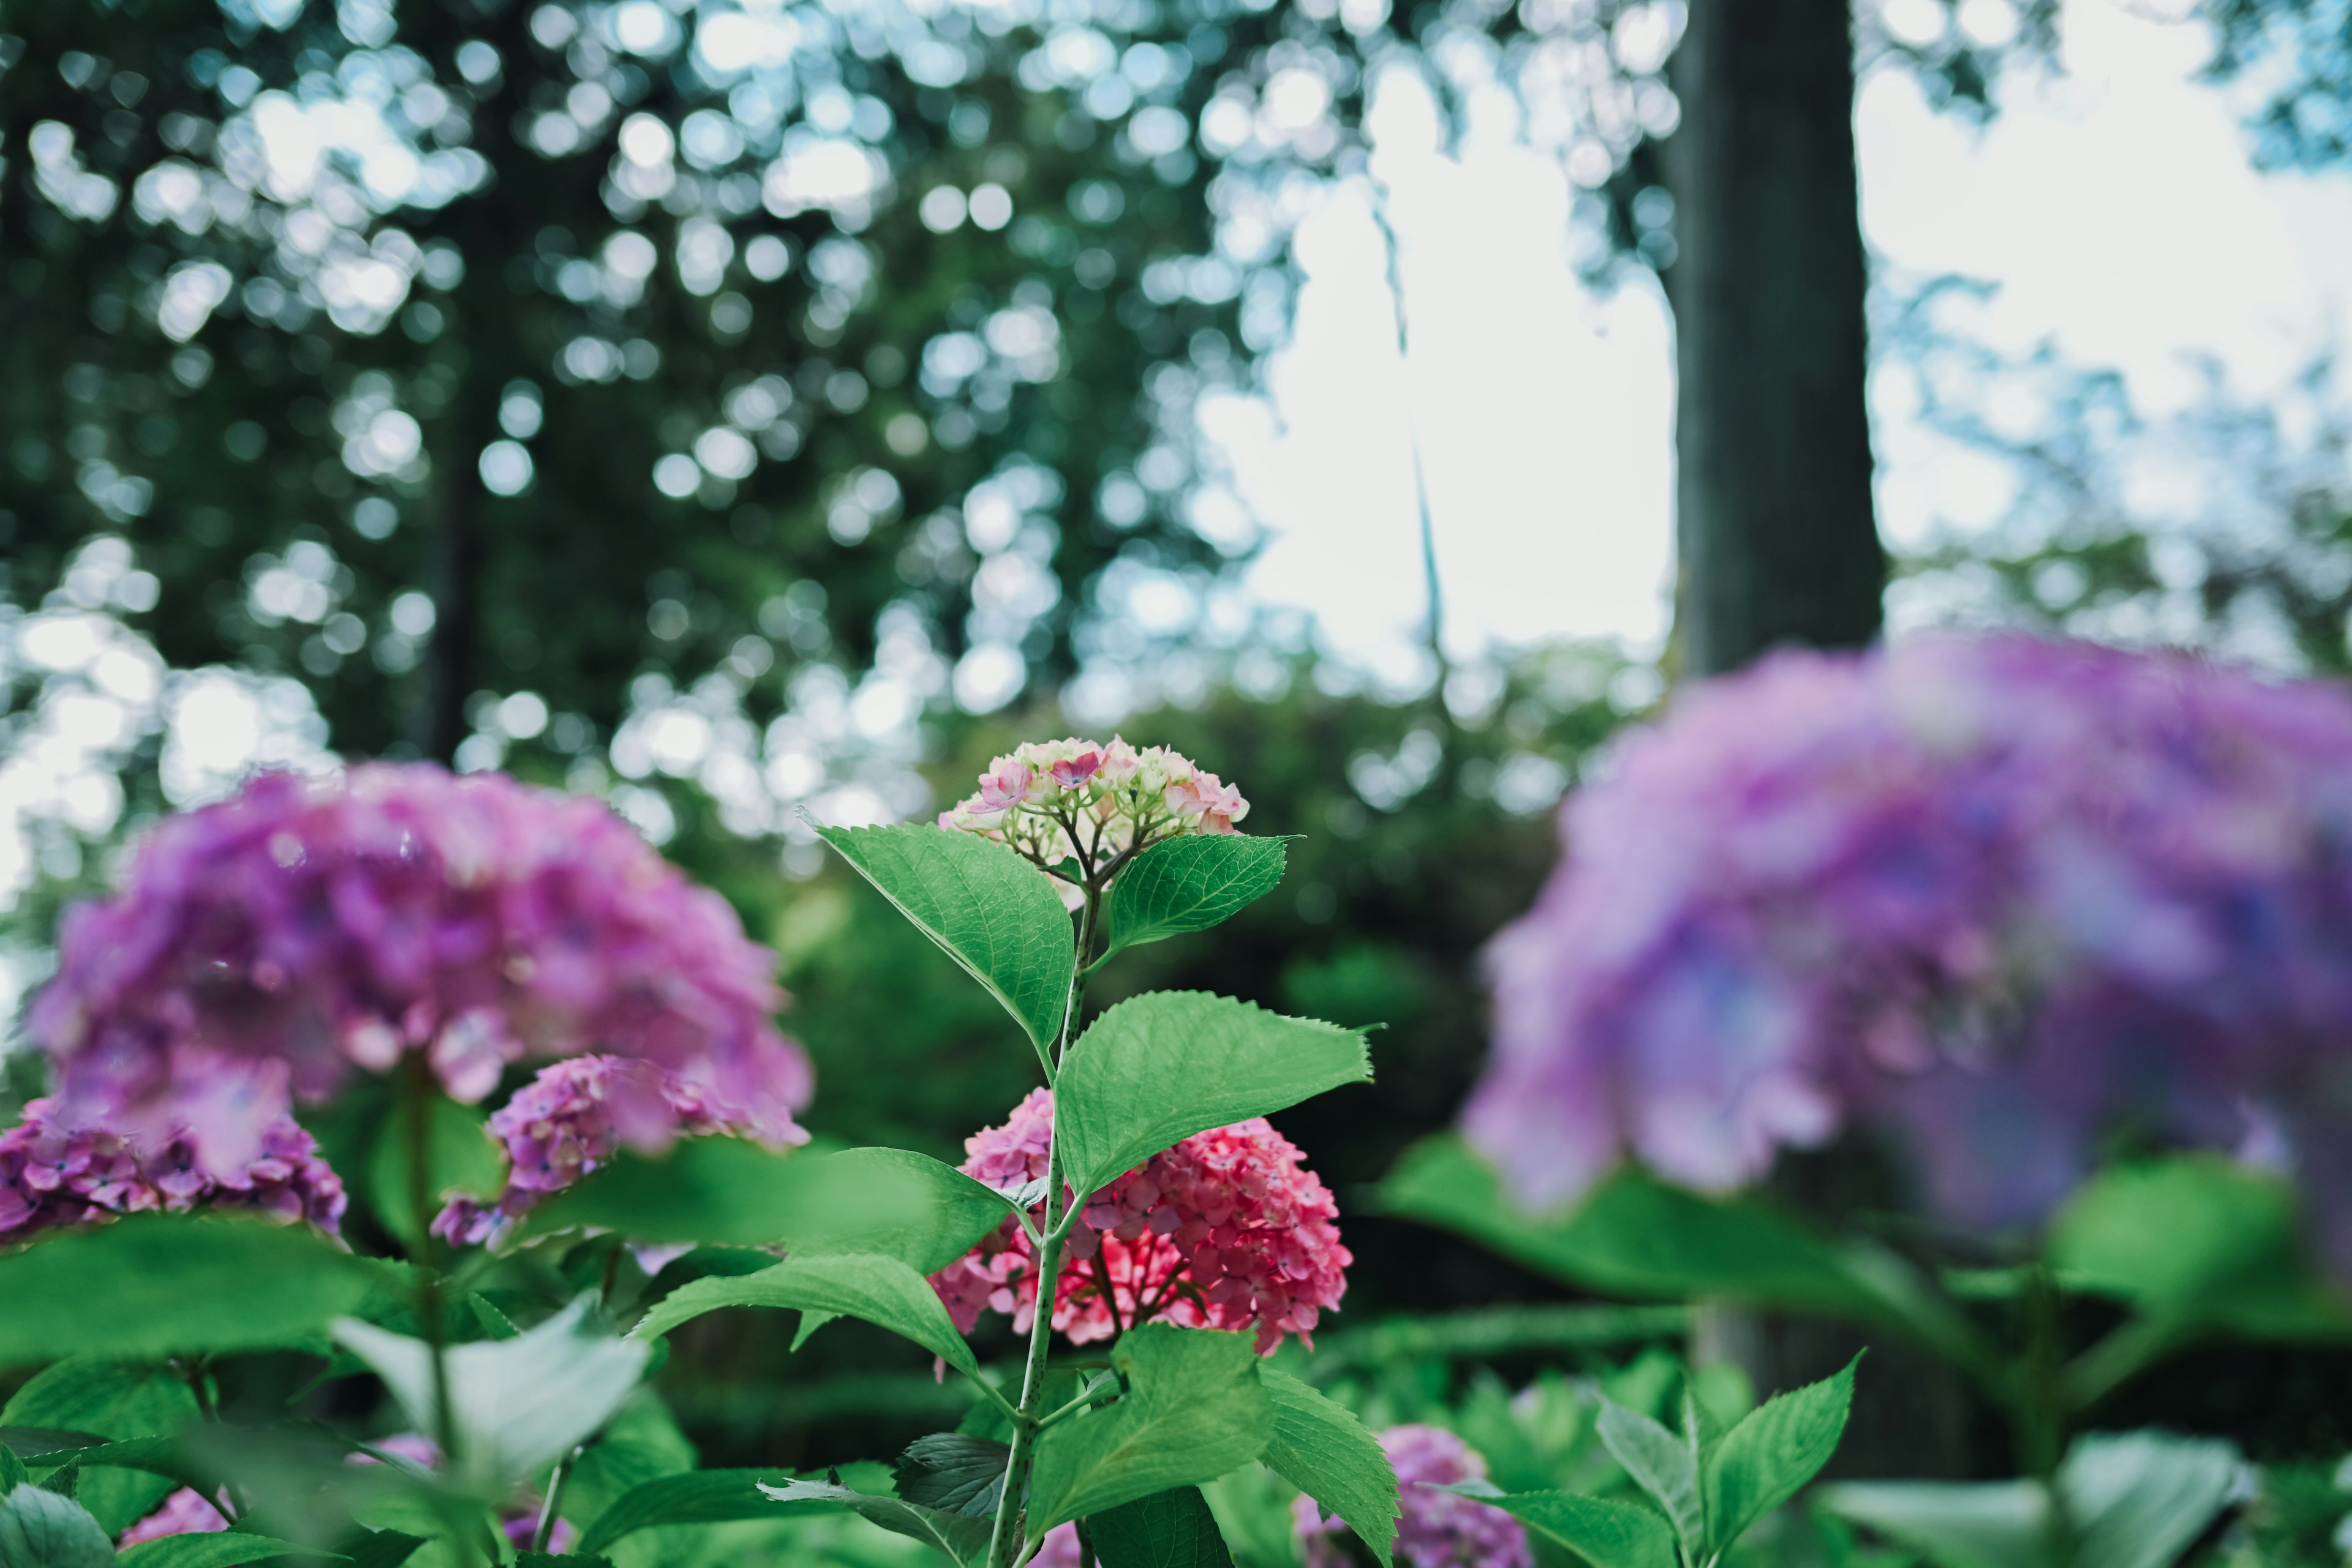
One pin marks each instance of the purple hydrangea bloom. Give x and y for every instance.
(1994, 897)
(311, 927)
(1435, 1528)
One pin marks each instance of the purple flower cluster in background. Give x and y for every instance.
(1995, 898)
(265, 949)
(1436, 1529)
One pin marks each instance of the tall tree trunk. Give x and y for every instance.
(1774, 523)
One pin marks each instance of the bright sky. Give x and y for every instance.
(2115, 206)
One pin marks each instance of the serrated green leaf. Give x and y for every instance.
(217, 1549)
(174, 1284)
(1605, 1534)
(963, 1540)
(516, 1404)
(162, 1457)
(116, 1400)
(1173, 1529)
(462, 1158)
(1194, 1408)
(1189, 884)
(1767, 1459)
(39, 1529)
(380, 1548)
(954, 1472)
(994, 912)
(878, 1289)
(1323, 1450)
(696, 1497)
(1159, 1067)
(1663, 1465)
(894, 1202)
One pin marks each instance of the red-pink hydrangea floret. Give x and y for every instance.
(1997, 899)
(324, 925)
(184, 1513)
(57, 1171)
(572, 1119)
(1226, 1230)
(1434, 1529)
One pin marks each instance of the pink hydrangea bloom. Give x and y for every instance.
(1994, 898)
(184, 1513)
(1436, 1529)
(1226, 1230)
(1059, 1548)
(55, 1171)
(572, 1117)
(308, 928)
(1091, 801)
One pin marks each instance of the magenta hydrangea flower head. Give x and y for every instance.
(1997, 899)
(1094, 802)
(1226, 1230)
(1436, 1529)
(320, 926)
(572, 1117)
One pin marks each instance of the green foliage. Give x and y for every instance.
(1194, 1408)
(1770, 1456)
(955, 1472)
(13, 1473)
(462, 1158)
(994, 912)
(878, 1289)
(1606, 1535)
(693, 1497)
(1663, 1464)
(1159, 1067)
(38, 1529)
(173, 1284)
(515, 1403)
(963, 1539)
(1189, 884)
(218, 1549)
(1323, 1450)
(1173, 1529)
(115, 1399)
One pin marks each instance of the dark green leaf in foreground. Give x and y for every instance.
(1173, 1529)
(1159, 1067)
(1189, 884)
(128, 1402)
(695, 1496)
(1322, 1449)
(1605, 1534)
(13, 1473)
(1765, 1460)
(1195, 1409)
(172, 1284)
(990, 910)
(954, 1472)
(879, 1290)
(165, 1457)
(219, 1549)
(38, 1529)
(962, 1539)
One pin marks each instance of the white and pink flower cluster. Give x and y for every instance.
(1226, 1230)
(1093, 801)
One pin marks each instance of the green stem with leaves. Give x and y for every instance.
(1006, 1547)
(416, 1104)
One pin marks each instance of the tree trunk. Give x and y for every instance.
(1774, 523)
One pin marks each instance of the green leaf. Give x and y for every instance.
(1159, 1067)
(1993, 1524)
(893, 1201)
(13, 1473)
(1767, 1458)
(1189, 884)
(1173, 1529)
(2138, 1498)
(461, 1158)
(1605, 1534)
(173, 1284)
(219, 1549)
(1194, 1408)
(517, 1404)
(163, 1456)
(1664, 1465)
(564, 1560)
(381, 1548)
(963, 1540)
(954, 1472)
(39, 1529)
(696, 1497)
(1323, 1450)
(988, 909)
(111, 1400)
(859, 1285)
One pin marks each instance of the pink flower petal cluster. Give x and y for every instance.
(309, 928)
(573, 1117)
(57, 1171)
(1091, 800)
(1226, 1230)
(184, 1513)
(1996, 899)
(1436, 1529)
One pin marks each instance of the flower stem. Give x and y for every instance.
(418, 1091)
(547, 1514)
